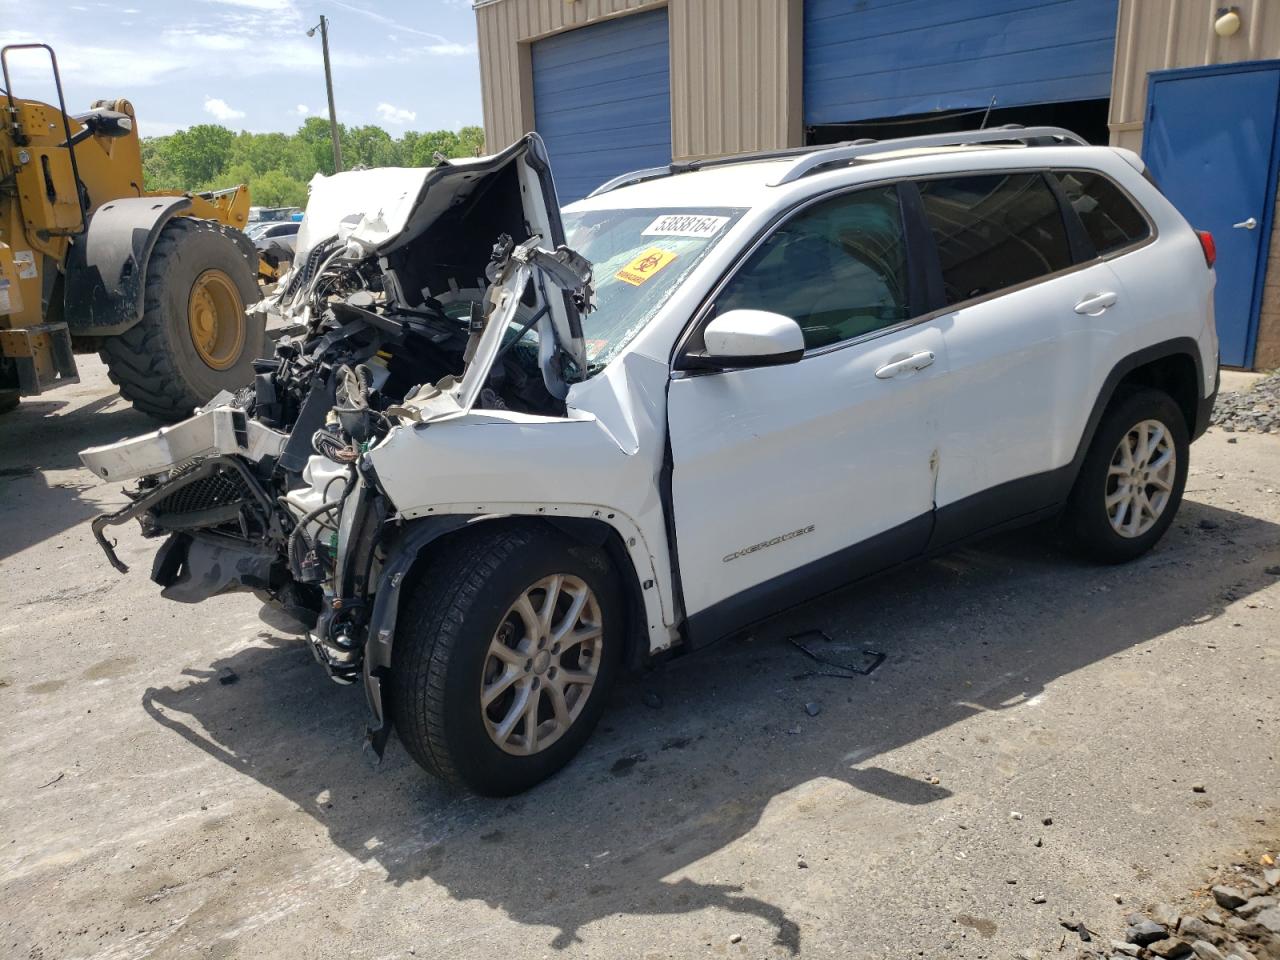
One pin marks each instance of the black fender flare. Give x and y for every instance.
(1177, 346)
(402, 553)
(106, 267)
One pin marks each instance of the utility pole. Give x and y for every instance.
(328, 86)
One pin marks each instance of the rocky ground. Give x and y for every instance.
(1255, 408)
(1235, 916)
(182, 781)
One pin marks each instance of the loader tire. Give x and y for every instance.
(194, 338)
(9, 400)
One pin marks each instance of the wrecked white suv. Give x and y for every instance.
(511, 449)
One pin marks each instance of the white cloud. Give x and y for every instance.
(446, 45)
(451, 49)
(398, 116)
(89, 64)
(302, 110)
(220, 109)
(268, 6)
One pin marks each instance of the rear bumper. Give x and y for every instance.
(1204, 409)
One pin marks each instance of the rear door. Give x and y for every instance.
(791, 480)
(1022, 336)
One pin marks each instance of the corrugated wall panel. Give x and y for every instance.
(1179, 33)
(882, 59)
(733, 65)
(735, 68)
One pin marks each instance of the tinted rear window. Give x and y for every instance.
(1109, 217)
(994, 231)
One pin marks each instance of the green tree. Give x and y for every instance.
(199, 154)
(369, 146)
(431, 143)
(261, 151)
(278, 166)
(276, 188)
(470, 142)
(313, 135)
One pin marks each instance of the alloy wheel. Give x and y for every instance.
(1140, 478)
(541, 665)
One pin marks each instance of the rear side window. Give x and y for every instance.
(1109, 217)
(994, 231)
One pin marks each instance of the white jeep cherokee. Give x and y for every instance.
(512, 448)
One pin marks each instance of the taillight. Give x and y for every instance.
(1208, 246)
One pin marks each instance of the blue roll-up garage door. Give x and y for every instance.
(602, 100)
(885, 59)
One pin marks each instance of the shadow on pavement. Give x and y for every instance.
(36, 439)
(657, 791)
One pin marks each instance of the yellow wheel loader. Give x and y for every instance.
(156, 283)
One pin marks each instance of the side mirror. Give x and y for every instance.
(749, 338)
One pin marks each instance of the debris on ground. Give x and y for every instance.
(848, 671)
(1243, 923)
(1255, 409)
(228, 676)
(813, 709)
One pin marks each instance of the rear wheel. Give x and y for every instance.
(194, 338)
(1131, 483)
(505, 656)
(9, 400)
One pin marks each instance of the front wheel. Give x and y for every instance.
(505, 656)
(1131, 483)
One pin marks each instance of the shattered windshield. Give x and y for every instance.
(639, 258)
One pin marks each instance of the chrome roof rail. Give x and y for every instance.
(689, 166)
(810, 159)
(1029, 136)
(627, 179)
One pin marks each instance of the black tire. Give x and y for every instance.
(1087, 520)
(451, 614)
(155, 363)
(9, 400)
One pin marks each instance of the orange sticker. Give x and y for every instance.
(644, 266)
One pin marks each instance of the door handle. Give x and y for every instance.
(1250, 224)
(917, 361)
(1095, 303)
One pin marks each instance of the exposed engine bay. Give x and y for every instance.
(415, 295)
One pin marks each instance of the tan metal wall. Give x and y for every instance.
(735, 68)
(1160, 34)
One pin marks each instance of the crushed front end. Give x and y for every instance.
(416, 295)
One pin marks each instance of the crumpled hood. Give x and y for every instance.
(437, 225)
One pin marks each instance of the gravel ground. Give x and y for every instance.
(1042, 737)
(1256, 408)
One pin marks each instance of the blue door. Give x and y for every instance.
(1211, 144)
(602, 100)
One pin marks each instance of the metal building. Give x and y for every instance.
(613, 85)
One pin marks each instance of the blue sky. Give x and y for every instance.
(248, 64)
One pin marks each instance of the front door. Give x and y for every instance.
(788, 481)
(1210, 143)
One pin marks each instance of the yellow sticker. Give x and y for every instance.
(644, 266)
